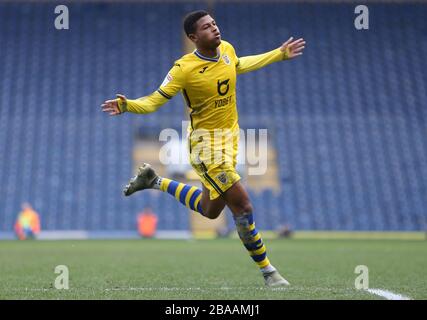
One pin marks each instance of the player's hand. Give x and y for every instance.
(111, 106)
(293, 48)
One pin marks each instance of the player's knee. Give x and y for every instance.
(212, 214)
(247, 208)
(243, 207)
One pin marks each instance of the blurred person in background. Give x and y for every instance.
(27, 224)
(147, 223)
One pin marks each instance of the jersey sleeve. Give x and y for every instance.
(255, 62)
(171, 85)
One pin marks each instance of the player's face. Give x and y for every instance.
(207, 33)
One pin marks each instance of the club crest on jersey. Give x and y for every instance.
(222, 177)
(226, 59)
(167, 79)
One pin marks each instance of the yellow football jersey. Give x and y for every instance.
(207, 84)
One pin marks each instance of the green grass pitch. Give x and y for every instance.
(209, 269)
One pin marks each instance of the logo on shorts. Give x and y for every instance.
(222, 177)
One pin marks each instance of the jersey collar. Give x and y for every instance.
(215, 59)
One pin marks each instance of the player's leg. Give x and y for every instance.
(237, 199)
(190, 196)
(211, 208)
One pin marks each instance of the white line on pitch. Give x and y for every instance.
(387, 294)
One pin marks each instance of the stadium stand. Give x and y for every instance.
(349, 126)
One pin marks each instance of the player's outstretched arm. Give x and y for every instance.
(142, 105)
(288, 50)
(171, 85)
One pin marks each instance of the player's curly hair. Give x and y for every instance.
(191, 19)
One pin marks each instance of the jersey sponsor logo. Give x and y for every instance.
(220, 86)
(167, 79)
(203, 70)
(222, 102)
(222, 177)
(226, 59)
